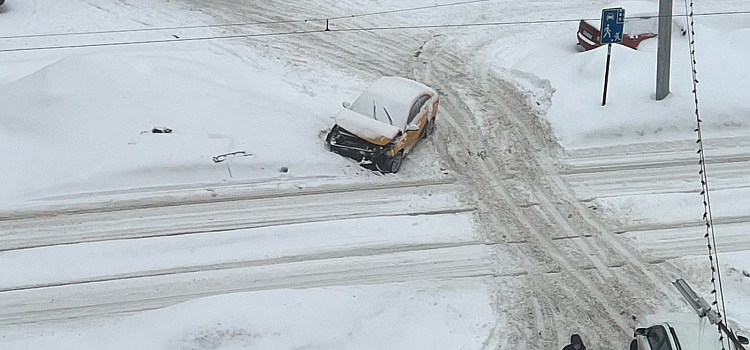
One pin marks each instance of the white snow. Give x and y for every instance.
(76, 123)
(398, 316)
(366, 127)
(393, 94)
(80, 262)
(632, 114)
(660, 211)
(89, 117)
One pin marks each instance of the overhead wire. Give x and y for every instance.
(243, 24)
(328, 29)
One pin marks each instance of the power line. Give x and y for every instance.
(144, 42)
(241, 24)
(412, 9)
(302, 32)
(321, 19)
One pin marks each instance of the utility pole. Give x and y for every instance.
(663, 56)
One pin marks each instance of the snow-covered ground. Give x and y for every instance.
(533, 213)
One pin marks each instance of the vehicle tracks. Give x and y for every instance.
(311, 205)
(494, 139)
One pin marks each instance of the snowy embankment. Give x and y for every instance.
(89, 117)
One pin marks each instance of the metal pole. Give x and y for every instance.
(606, 74)
(731, 335)
(663, 56)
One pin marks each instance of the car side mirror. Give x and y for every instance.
(346, 104)
(640, 331)
(743, 340)
(412, 127)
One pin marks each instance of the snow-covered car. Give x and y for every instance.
(384, 123)
(637, 28)
(678, 331)
(2, 2)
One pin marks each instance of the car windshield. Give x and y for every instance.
(657, 338)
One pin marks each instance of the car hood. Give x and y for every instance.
(366, 128)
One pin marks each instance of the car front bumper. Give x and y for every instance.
(346, 144)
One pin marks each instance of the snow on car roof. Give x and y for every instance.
(392, 94)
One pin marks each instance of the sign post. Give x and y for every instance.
(611, 31)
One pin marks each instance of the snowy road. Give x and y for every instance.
(650, 170)
(530, 227)
(146, 217)
(522, 188)
(357, 257)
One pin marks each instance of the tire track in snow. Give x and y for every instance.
(151, 292)
(113, 201)
(541, 215)
(668, 168)
(295, 258)
(313, 205)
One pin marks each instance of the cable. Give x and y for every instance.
(245, 24)
(241, 24)
(710, 236)
(411, 9)
(118, 31)
(143, 42)
(238, 36)
(370, 29)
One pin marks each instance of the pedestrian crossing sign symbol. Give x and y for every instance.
(613, 24)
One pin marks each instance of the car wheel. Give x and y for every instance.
(430, 128)
(394, 164)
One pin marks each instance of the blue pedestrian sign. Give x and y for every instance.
(613, 23)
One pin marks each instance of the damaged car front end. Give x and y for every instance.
(369, 154)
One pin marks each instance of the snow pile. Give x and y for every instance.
(446, 315)
(89, 117)
(632, 114)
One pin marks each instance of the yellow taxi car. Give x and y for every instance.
(384, 123)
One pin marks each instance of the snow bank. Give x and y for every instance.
(418, 315)
(632, 114)
(89, 117)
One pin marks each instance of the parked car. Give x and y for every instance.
(385, 123)
(678, 331)
(636, 29)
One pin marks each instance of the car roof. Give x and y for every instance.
(692, 331)
(393, 94)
